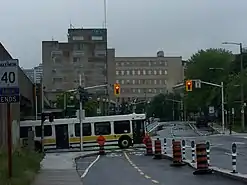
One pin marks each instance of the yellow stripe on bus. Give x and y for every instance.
(88, 138)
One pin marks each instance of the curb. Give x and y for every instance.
(195, 130)
(218, 171)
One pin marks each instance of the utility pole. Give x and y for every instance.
(241, 81)
(81, 111)
(242, 88)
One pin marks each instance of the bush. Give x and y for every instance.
(25, 165)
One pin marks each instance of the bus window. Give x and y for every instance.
(47, 131)
(24, 131)
(102, 128)
(86, 129)
(121, 127)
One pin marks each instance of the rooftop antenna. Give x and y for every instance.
(52, 38)
(105, 13)
(71, 25)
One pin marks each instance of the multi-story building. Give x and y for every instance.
(35, 74)
(145, 77)
(84, 55)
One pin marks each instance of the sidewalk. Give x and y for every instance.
(59, 169)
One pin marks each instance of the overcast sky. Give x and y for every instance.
(135, 27)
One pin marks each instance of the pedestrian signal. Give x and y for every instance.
(188, 85)
(116, 89)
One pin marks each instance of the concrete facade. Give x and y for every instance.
(84, 54)
(145, 77)
(25, 107)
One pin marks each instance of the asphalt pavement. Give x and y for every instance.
(220, 150)
(132, 167)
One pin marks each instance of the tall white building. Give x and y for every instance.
(35, 74)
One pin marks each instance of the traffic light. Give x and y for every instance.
(188, 85)
(116, 89)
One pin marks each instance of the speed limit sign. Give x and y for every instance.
(9, 73)
(9, 86)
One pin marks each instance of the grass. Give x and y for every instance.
(25, 166)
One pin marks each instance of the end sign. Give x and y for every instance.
(9, 86)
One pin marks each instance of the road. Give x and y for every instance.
(220, 153)
(127, 168)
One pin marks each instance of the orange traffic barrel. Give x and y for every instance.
(101, 142)
(201, 160)
(157, 149)
(149, 147)
(177, 154)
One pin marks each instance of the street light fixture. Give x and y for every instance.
(241, 80)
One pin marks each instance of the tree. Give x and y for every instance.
(211, 65)
(164, 107)
(91, 108)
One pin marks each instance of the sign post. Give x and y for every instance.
(9, 93)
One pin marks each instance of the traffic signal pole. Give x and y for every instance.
(222, 101)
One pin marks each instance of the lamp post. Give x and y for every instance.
(107, 106)
(241, 81)
(103, 106)
(98, 107)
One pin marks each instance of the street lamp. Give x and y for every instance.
(241, 80)
(107, 106)
(103, 106)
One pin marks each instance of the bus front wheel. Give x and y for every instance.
(124, 142)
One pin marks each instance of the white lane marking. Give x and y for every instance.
(239, 143)
(154, 181)
(228, 153)
(87, 169)
(147, 177)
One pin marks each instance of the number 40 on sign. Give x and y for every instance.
(9, 87)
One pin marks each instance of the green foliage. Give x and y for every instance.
(69, 100)
(162, 106)
(91, 108)
(25, 165)
(211, 65)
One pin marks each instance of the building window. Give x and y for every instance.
(128, 72)
(57, 60)
(117, 73)
(133, 81)
(122, 72)
(155, 82)
(97, 38)
(165, 72)
(165, 82)
(57, 80)
(102, 128)
(128, 81)
(155, 72)
(150, 72)
(139, 90)
(117, 81)
(160, 72)
(144, 72)
(78, 38)
(76, 59)
(139, 72)
(160, 82)
(133, 90)
(122, 81)
(133, 72)
(139, 81)
(149, 63)
(150, 90)
(166, 63)
(155, 91)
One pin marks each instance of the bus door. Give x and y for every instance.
(62, 136)
(138, 131)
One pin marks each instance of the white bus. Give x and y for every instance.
(119, 130)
